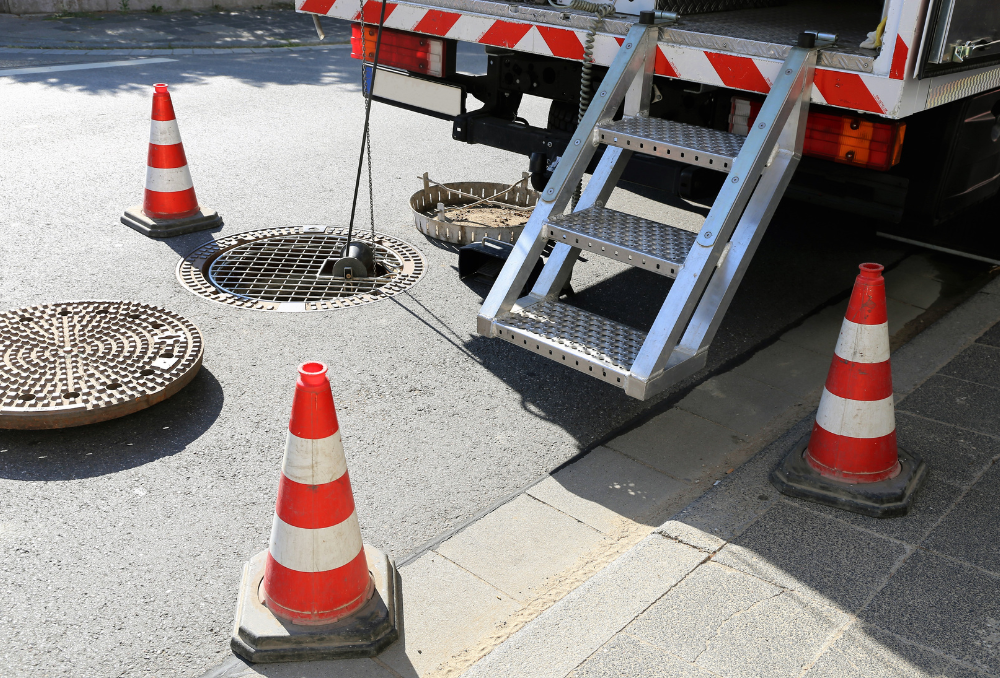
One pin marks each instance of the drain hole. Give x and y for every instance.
(113, 385)
(27, 396)
(70, 395)
(65, 311)
(146, 372)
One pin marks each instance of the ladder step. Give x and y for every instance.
(582, 340)
(630, 239)
(674, 140)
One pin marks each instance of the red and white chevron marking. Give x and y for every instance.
(842, 89)
(169, 190)
(854, 438)
(316, 568)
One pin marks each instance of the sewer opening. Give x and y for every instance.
(268, 269)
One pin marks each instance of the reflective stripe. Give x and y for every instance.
(315, 550)
(164, 132)
(856, 418)
(168, 180)
(863, 343)
(313, 462)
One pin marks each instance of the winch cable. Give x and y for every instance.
(600, 11)
(365, 141)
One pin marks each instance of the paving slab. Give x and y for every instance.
(739, 499)
(913, 362)
(446, 609)
(801, 550)
(680, 444)
(788, 367)
(684, 621)
(566, 634)
(819, 332)
(864, 651)
(955, 455)
(517, 547)
(959, 402)
(744, 405)
(913, 281)
(777, 637)
(970, 531)
(940, 602)
(605, 487)
(627, 656)
(900, 313)
(979, 363)
(342, 668)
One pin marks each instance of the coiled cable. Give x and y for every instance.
(600, 11)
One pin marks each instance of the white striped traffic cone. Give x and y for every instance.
(316, 570)
(851, 458)
(169, 205)
(318, 592)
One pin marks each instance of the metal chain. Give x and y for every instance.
(368, 139)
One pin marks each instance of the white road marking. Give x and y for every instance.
(82, 67)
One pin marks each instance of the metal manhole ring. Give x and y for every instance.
(81, 362)
(276, 269)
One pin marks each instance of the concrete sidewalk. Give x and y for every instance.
(580, 573)
(163, 33)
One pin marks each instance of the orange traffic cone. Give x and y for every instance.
(318, 592)
(851, 459)
(169, 206)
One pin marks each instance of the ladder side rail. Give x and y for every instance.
(559, 267)
(687, 289)
(557, 193)
(751, 228)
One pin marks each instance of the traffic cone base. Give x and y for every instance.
(202, 220)
(796, 476)
(261, 636)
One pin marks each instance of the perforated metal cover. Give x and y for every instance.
(625, 237)
(81, 362)
(278, 270)
(675, 140)
(569, 327)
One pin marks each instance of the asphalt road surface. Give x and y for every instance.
(122, 542)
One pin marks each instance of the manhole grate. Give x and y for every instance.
(81, 362)
(278, 270)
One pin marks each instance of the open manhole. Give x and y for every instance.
(279, 269)
(81, 362)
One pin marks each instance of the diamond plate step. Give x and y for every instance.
(630, 239)
(674, 140)
(584, 341)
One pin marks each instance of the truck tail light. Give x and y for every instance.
(409, 51)
(847, 139)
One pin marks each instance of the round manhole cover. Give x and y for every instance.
(82, 362)
(279, 269)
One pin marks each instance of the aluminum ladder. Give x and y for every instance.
(759, 168)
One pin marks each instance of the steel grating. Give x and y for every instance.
(567, 326)
(74, 363)
(625, 237)
(675, 140)
(278, 270)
